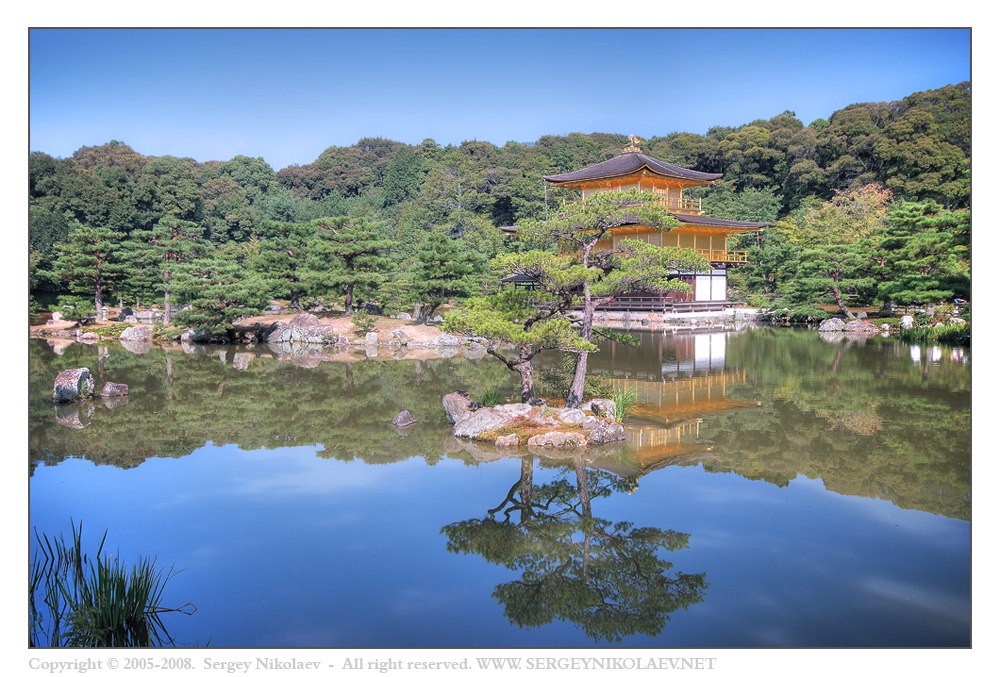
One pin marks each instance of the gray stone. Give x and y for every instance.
(371, 337)
(602, 407)
(605, 432)
(404, 316)
(571, 415)
(136, 334)
(401, 335)
(403, 418)
(906, 322)
(73, 385)
(114, 390)
(860, 327)
(483, 421)
(832, 324)
(956, 320)
(438, 318)
(457, 405)
(447, 340)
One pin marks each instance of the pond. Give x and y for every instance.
(775, 490)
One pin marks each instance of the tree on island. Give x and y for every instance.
(628, 266)
(163, 252)
(520, 323)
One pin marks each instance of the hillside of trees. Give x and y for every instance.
(383, 220)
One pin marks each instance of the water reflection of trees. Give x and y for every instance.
(606, 578)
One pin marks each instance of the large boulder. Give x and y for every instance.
(906, 322)
(306, 328)
(861, 327)
(140, 333)
(601, 407)
(483, 421)
(457, 405)
(832, 324)
(73, 385)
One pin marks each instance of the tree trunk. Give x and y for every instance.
(294, 302)
(575, 396)
(167, 315)
(349, 299)
(525, 371)
(840, 303)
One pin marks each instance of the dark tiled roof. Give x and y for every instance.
(628, 163)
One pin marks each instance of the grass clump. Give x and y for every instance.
(489, 397)
(625, 400)
(78, 601)
(950, 334)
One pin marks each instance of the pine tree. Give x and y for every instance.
(347, 255)
(90, 261)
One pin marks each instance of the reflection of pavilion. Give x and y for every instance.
(677, 384)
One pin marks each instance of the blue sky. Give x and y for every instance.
(286, 95)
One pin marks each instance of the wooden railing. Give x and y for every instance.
(681, 203)
(726, 255)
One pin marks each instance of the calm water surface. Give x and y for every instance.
(775, 489)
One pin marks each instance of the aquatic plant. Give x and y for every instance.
(625, 400)
(489, 397)
(76, 600)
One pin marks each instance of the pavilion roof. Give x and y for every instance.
(629, 163)
(700, 221)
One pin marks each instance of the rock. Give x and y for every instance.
(605, 431)
(862, 315)
(446, 340)
(906, 322)
(538, 402)
(114, 389)
(457, 405)
(482, 421)
(137, 334)
(404, 316)
(956, 320)
(511, 440)
(832, 324)
(371, 337)
(125, 314)
(73, 385)
(242, 360)
(306, 328)
(57, 317)
(278, 332)
(558, 439)
(571, 415)
(602, 407)
(403, 418)
(438, 319)
(860, 327)
(400, 334)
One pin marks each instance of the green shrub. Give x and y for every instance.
(363, 321)
(949, 334)
(74, 309)
(490, 397)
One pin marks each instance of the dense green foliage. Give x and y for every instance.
(161, 219)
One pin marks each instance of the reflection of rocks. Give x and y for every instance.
(114, 402)
(75, 416)
(558, 439)
(72, 385)
(114, 389)
(831, 336)
(242, 360)
(474, 351)
(137, 347)
(446, 351)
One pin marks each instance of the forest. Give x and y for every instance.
(869, 206)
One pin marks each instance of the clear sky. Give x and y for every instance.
(287, 94)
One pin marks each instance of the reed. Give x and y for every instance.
(76, 600)
(625, 400)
